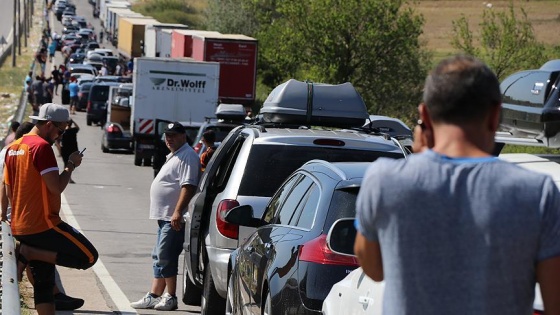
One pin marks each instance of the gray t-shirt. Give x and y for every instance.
(181, 168)
(459, 236)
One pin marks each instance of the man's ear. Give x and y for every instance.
(425, 116)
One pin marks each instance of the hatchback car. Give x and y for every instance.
(97, 103)
(285, 266)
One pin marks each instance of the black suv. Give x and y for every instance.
(97, 103)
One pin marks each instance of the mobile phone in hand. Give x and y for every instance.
(82, 152)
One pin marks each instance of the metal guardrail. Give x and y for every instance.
(10, 288)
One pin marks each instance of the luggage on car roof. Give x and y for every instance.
(318, 104)
(231, 112)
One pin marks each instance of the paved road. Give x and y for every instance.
(110, 202)
(6, 19)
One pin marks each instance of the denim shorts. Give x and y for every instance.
(169, 246)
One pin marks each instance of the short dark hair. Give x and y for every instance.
(23, 129)
(14, 125)
(461, 89)
(209, 135)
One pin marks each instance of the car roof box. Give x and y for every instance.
(232, 112)
(315, 104)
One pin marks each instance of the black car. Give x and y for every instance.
(97, 103)
(76, 58)
(83, 96)
(285, 266)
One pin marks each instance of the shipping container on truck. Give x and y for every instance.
(181, 42)
(131, 35)
(173, 89)
(157, 40)
(237, 55)
(104, 6)
(113, 16)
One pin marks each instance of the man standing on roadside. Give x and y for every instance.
(170, 193)
(454, 230)
(34, 186)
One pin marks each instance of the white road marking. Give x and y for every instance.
(117, 296)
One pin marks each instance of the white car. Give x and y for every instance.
(356, 294)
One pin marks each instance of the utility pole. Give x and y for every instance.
(19, 26)
(25, 17)
(14, 38)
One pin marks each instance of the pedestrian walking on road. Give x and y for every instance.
(34, 187)
(453, 229)
(170, 193)
(101, 37)
(73, 89)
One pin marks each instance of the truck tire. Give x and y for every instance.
(212, 303)
(137, 159)
(191, 293)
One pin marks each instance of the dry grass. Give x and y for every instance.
(544, 16)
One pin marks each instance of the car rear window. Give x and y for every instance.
(85, 87)
(343, 205)
(99, 93)
(269, 165)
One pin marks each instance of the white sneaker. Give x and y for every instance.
(146, 302)
(167, 303)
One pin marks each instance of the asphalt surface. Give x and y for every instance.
(109, 203)
(6, 20)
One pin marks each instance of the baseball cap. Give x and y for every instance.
(52, 112)
(175, 127)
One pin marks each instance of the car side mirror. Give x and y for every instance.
(243, 216)
(341, 236)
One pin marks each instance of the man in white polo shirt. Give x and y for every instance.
(170, 193)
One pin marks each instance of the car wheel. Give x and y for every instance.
(147, 161)
(191, 293)
(137, 159)
(88, 121)
(212, 303)
(104, 148)
(267, 304)
(230, 298)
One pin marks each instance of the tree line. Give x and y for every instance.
(374, 44)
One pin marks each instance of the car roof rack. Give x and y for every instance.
(296, 103)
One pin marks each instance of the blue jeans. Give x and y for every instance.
(169, 246)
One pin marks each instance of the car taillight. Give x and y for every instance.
(113, 128)
(197, 147)
(88, 106)
(225, 228)
(80, 94)
(317, 251)
(537, 312)
(329, 142)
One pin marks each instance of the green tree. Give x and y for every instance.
(372, 43)
(506, 41)
(170, 11)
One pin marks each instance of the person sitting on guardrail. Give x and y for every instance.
(34, 186)
(61, 300)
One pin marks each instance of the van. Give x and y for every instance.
(97, 103)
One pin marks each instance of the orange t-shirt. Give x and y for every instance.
(34, 208)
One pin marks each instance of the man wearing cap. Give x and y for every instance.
(170, 193)
(34, 187)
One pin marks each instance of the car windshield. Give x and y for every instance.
(258, 180)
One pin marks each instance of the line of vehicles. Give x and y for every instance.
(269, 229)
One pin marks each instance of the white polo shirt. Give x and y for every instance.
(181, 168)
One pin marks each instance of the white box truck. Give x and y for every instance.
(174, 89)
(157, 39)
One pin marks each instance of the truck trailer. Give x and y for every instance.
(237, 55)
(157, 39)
(181, 42)
(131, 36)
(173, 89)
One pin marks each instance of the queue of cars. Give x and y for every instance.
(260, 247)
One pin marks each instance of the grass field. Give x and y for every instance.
(438, 15)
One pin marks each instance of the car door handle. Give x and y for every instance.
(365, 300)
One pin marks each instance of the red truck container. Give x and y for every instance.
(237, 55)
(181, 42)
